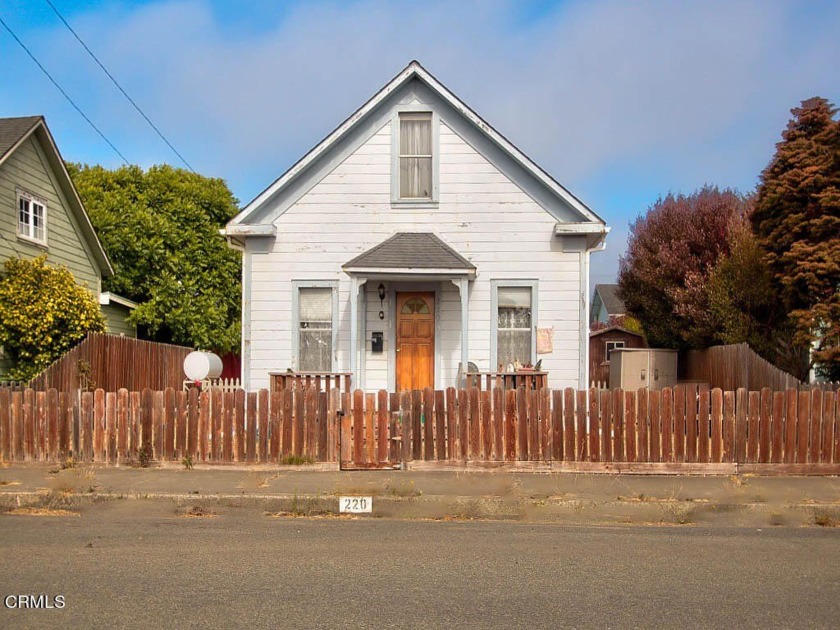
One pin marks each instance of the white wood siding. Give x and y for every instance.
(481, 214)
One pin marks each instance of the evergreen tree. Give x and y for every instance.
(797, 223)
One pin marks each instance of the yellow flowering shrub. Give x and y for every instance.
(43, 313)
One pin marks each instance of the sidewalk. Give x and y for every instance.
(559, 497)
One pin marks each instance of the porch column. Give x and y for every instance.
(354, 327)
(464, 290)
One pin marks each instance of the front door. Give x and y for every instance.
(415, 340)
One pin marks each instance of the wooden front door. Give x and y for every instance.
(415, 340)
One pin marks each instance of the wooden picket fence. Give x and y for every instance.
(678, 430)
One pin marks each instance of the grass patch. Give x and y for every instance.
(196, 511)
(40, 511)
(296, 460)
(827, 518)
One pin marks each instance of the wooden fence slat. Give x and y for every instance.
(557, 445)
(275, 429)
(486, 414)
(333, 425)
(679, 423)
(394, 429)
(475, 425)
(691, 430)
(358, 426)
(829, 427)
(498, 450)
(521, 425)
(544, 395)
(440, 425)
(777, 428)
(618, 426)
(594, 428)
(287, 420)
(370, 433)
(135, 421)
(41, 425)
(204, 426)
(764, 419)
(606, 426)
(110, 426)
(642, 424)
(215, 428)
(791, 399)
(52, 424)
(262, 426)
(191, 447)
(630, 425)
(452, 430)
(382, 419)
(464, 422)
(728, 432)
(428, 420)
(753, 406)
(407, 422)
(346, 441)
(65, 429)
(6, 425)
(98, 424)
(17, 428)
(312, 421)
(169, 423)
(717, 426)
(510, 425)
(703, 427)
(299, 427)
(157, 425)
(416, 424)
(816, 426)
(667, 416)
(836, 427)
(569, 453)
(86, 424)
(803, 427)
(655, 440)
(180, 424)
(581, 437)
(533, 408)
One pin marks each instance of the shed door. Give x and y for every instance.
(415, 340)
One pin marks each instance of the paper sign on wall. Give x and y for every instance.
(545, 340)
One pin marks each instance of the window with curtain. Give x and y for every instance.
(514, 325)
(416, 156)
(315, 317)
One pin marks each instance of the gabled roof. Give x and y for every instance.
(613, 304)
(413, 71)
(601, 331)
(13, 133)
(411, 251)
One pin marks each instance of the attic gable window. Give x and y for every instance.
(415, 156)
(32, 218)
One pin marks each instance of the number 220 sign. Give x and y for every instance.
(355, 505)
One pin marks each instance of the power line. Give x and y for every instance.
(119, 87)
(60, 89)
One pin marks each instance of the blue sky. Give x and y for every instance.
(620, 101)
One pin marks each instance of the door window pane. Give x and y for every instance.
(514, 325)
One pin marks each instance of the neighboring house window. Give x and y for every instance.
(612, 345)
(415, 156)
(514, 325)
(316, 327)
(32, 217)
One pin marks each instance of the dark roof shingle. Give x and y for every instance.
(411, 250)
(613, 304)
(13, 129)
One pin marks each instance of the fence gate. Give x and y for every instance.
(370, 435)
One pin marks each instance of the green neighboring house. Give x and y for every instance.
(41, 213)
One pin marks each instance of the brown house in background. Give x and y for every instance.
(601, 343)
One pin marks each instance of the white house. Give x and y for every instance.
(412, 240)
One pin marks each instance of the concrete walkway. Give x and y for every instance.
(555, 497)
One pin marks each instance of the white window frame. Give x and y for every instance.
(297, 285)
(414, 202)
(29, 236)
(495, 285)
(615, 346)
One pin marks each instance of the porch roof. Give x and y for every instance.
(411, 252)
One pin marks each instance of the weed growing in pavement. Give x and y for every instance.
(145, 456)
(187, 462)
(296, 460)
(826, 518)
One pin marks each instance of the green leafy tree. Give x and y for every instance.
(797, 223)
(671, 253)
(43, 313)
(160, 228)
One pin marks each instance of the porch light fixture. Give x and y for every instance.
(381, 290)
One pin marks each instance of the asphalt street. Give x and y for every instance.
(121, 566)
